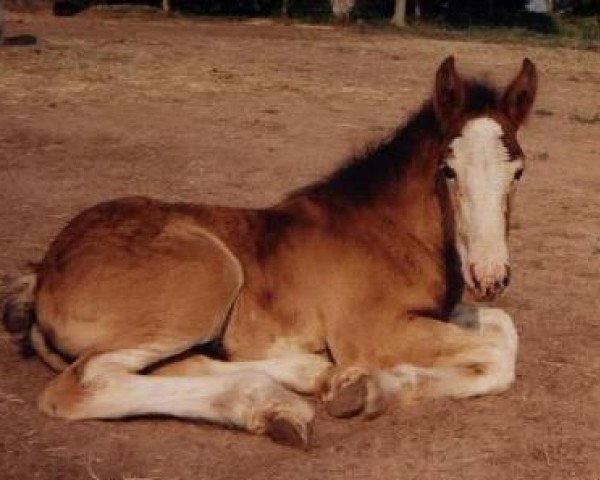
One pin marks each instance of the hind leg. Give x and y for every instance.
(425, 358)
(302, 372)
(106, 385)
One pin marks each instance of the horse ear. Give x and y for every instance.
(520, 94)
(449, 96)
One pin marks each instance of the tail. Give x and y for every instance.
(18, 312)
(19, 318)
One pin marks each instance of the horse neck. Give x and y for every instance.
(395, 202)
(413, 219)
(414, 204)
(408, 216)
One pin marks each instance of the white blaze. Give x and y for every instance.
(483, 180)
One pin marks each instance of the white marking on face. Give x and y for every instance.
(483, 176)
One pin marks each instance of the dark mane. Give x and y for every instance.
(360, 179)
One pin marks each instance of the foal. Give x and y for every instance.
(347, 289)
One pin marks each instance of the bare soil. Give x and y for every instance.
(240, 113)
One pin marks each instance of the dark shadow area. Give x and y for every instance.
(237, 8)
(463, 13)
(218, 8)
(489, 13)
(18, 40)
(68, 8)
(303, 9)
(579, 8)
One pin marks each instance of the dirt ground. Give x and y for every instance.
(240, 113)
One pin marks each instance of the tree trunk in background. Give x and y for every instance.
(341, 9)
(285, 9)
(550, 5)
(399, 18)
(166, 5)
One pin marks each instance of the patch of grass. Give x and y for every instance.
(586, 119)
(567, 30)
(585, 30)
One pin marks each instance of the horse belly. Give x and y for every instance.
(116, 293)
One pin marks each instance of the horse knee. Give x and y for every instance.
(486, 370)
(494, 376)
(500, 326)
(493, 370)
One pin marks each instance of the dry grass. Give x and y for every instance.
(586, 119)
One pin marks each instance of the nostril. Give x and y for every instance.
(506, 280)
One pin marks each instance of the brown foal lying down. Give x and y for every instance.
(347, 289)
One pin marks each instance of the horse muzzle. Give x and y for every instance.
(487, 281)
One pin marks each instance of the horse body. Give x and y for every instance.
(348, 288)
(304, 267)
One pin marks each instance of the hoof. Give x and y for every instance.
(286, 431)
(282, 415)
(354, 392)
(348, 395)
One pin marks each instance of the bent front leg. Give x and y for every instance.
(420, 357)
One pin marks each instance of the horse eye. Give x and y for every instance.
(518, 174)
(449, 172)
